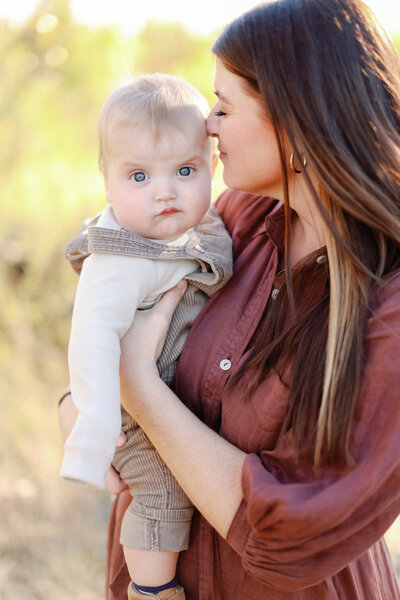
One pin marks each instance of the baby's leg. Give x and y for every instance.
(152, 572)
(150, 567)
(151, 591)
(156, 525)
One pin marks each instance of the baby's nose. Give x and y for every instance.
(165, 192)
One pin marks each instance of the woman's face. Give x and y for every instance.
(246, 140)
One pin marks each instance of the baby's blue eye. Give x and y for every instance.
(185, 171)
(139, 176)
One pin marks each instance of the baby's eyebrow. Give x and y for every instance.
(137, 164)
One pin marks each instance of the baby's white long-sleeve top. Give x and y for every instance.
(111, 288)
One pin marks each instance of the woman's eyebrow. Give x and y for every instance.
(221, 97)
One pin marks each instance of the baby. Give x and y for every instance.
(157, 162)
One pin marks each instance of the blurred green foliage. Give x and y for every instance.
(54, 77)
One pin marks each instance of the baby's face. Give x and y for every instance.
(158, 190)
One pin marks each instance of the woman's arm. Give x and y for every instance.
(207, 467)
(290, 530)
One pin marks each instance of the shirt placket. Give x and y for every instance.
(230, 352)
(227, 356)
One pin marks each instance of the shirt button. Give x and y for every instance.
(225, 364)
(274, 293)
(321, 259)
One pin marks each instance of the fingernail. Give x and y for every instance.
(181, 285)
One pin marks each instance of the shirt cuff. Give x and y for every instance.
(83, 466)
(240, 528)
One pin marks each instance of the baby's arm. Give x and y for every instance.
(110, 289)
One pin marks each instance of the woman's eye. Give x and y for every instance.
(185, 171)
(219, 113)
(139, 176)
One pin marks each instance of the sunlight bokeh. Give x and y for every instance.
(200, 17)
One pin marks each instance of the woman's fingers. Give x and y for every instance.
(121, 441)
(167, 305)
(146, 337)
(172, 297)
(114, 483)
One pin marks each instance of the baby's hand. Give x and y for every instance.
(114, 483)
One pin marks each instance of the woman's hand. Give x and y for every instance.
(114, 483)
(207, 467)
(142, 344)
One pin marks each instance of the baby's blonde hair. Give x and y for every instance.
(157, 102)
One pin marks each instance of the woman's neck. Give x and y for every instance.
(305, 239)
(308, 228)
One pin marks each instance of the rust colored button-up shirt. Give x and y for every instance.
(296, 536)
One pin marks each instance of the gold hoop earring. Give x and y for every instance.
(291, 163)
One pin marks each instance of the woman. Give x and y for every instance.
(287, 436)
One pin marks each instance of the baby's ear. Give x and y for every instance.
(108, 197)
(103, 172)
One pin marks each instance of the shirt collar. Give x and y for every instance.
(274, 226)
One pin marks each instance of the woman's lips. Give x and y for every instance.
(168, 211)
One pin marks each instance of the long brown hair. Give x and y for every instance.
(330, 80)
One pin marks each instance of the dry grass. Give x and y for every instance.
(52, 533)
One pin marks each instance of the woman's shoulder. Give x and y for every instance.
(242, 212)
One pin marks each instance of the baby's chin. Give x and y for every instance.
(163, 232)
(169, 233)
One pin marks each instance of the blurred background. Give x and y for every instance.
(59, 59)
